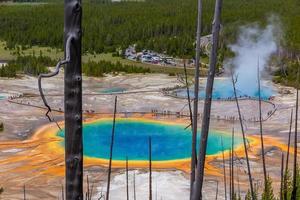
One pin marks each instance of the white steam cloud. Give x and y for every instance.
(254, 44)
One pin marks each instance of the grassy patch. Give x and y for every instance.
(56, 54)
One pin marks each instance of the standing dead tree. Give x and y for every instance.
(188, 95)
(287, 159)
(281, 176)
(24, 192)
(232, 165)
(244, 137)
(224, 169)
(127, 185)
(73, 102)
(196, 98)
(150, 169)
(190, 107)
(238, 181)
(134, 190)
(261, 129)
(111, 149)
(217, 190)
(73, 99)
(87, 188)
(230, 175)
(62, 193)
(294, 192)
(197, 187)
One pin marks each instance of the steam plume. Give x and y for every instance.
(253, 44)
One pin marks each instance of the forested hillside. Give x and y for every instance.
(162, 25)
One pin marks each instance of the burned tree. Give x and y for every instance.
(261, 129)
(224, 169)
(111, 149)
(244, 136)
(150, 168)
(294, 192)
(127, 185)
(196, 98)
(197, 187)
(73, 99)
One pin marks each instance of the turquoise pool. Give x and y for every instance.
(223, 90)
(169, 142)
(3, 96)
(113, 90)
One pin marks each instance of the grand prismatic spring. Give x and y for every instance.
(170, 141)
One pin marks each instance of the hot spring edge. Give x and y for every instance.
(170, 142)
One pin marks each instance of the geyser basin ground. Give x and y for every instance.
(169, 141)
(223, 89)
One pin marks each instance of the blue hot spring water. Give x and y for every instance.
(2, 96)
(113, 90)
(169, 142)
(223, 90)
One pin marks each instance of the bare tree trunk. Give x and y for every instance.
(188, 95)
(127, 188)
(232, 164)
(217, 190)
(196, 98)
(282, 175)
(88, 187)
(134, 192)
(91, 193)
(73, 102)
(230, 175)
(224, 169)
(111, 149)
(244, 138)
(62, 193)
(287, 158)
(238, 180)
(261, 130)
(190, 106)
(294, 193)
(150, 169)
(197, 190)
(24, 192)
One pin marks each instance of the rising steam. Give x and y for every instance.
(254, 44)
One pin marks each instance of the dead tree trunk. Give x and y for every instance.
(232, 164)
(150, 169)
(196, 98)
(111, 149)
(73, 102)
(88, 187)
(134, 192)
(62, 193)
(282, 176)
(238, 181)
(24, 192)
(287, 159)
(244, 137)
(188, 95)
(224, 169)
(197, 188)
(261, 130)
(230, 175)
(217, 190)
(294, 193)
(127, 186)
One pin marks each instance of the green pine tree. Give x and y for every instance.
(268, 193)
